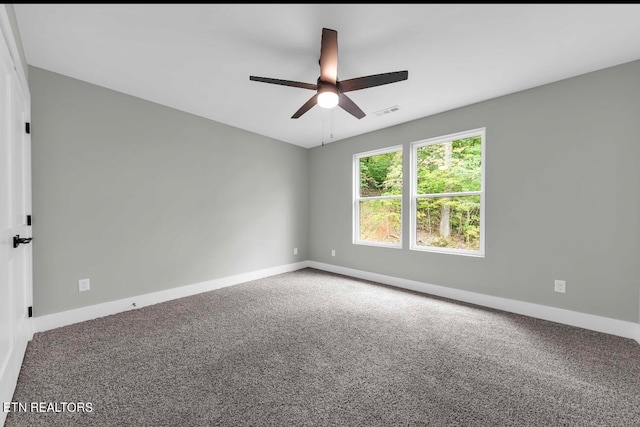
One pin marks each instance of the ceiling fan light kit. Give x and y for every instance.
(329, 90)
(328, 95)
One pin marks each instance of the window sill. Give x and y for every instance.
(448, 251)
(378, 244)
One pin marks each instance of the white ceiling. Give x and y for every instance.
(198, 57)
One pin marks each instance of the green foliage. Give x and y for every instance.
(442, 221)
(380, 220)
(443, 242)
(381, 174)
(464, 222)
(450, 167)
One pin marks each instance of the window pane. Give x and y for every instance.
(448, 222)
(381, 174)
(450, 167)
(380, 220)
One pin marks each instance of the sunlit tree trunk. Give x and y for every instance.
(445, 223)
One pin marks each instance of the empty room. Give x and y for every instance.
(320, 215)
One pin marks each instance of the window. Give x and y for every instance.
(447, 203)
(378, 198)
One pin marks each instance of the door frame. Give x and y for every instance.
(9, 39)
(12, 44)
(14, 51)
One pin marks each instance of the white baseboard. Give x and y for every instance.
(57, 320)
(573, 318)
(588, 321)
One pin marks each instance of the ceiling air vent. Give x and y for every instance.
(387, 111)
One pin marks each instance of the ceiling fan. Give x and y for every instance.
(329, 90)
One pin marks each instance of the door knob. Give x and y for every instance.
(17, 240)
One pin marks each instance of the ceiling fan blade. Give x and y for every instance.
(350, 107)
(306, 107)
(284, 82)
(371, 81)
(329, 56)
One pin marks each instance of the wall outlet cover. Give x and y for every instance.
(84, 285)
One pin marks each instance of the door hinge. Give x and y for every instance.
(27, 127)
(30, 311)
(28, 219)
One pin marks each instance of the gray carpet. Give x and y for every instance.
(310, 348)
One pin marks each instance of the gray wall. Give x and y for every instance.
(140, 198)
(562, 197)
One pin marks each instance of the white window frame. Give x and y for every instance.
(357, 198)
(413, 245)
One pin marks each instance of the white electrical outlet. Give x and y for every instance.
(295, 251)
(560, 286)
(84, 285)
(333, 252)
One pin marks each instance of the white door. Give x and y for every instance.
(15, 204)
